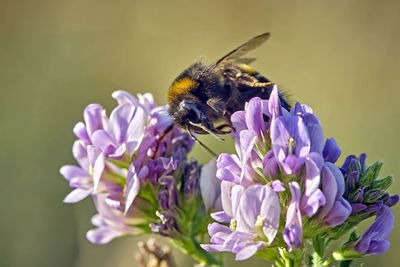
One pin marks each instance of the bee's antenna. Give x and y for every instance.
(167, 131)
(200, 143)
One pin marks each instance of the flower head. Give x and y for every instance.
(288, 151)
(124, 159)
(364, 190)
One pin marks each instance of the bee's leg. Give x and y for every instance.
(238, 77)
(208, 130)
(200, 143)
(252, 81)
(222, 126)
(217, 105)
(258, 84)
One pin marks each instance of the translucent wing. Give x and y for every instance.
(236, 54)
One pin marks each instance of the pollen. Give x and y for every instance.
(291, 145)
(246, 68)
(233, 224)
(181, 86)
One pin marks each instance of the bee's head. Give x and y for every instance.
(188, 98)
(189, 112)
(193, 115)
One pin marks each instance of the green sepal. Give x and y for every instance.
(145, 227)
(345, 255)
(149, 192)
(269, 254)
(149, 210)
(370, 174)
(383, 184)
(119, 164)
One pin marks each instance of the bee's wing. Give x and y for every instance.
(236, 54)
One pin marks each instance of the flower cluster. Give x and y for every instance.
(282, 186)
(133, 164)
(280, 192)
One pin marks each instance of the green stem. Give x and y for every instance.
(329, 261)
(290, 263)
(290, 259)
(317, 260)
(319, 246)
(192, 247)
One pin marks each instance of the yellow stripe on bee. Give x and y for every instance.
(181, 86)
(247, 69)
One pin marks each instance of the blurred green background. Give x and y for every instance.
(341, 57)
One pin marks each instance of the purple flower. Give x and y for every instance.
(336, 209)
(190, 182)
(111, 222)
(312, 198)
(294, 135)
(210, 186)
(293, 232)
(331, 151)
(374, 240)
(167, 225)
(290, 142)
(254, 215)
(223, 239)
(168, 194)
(86, 178)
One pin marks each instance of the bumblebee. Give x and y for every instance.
(203, 95)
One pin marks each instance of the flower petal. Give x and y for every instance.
(80, 132)
(77, 195)
(274, 103)
(93, 118)
(132, 187)
(248, 251)
(221, 217)
(97, 161)
(123, 97)
(102, 235)
(79, 150)
(238, 120)
(254, 118)
(104, 141)
(210, 186)
(331, 151)
(338, 214)
(270, 211)
(71, 171)
(135, 130)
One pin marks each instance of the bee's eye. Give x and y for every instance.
(190, 107)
